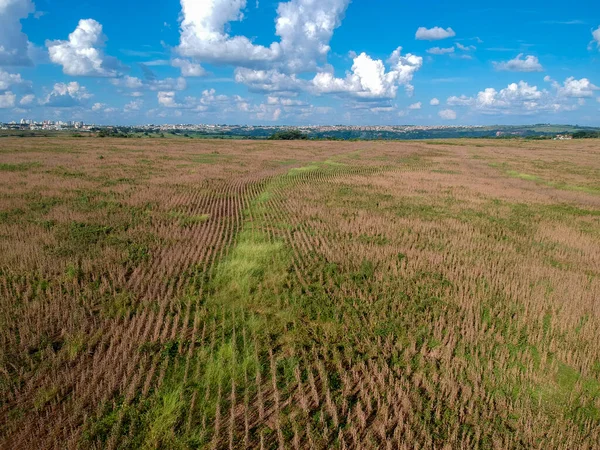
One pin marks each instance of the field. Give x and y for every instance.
(171, 293)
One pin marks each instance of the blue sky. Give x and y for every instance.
(300, 62)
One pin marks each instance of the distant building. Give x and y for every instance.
(563, 137)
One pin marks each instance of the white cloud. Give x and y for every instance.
(574, 88)
(596, 36)
(10, 79)
(66, 95)
(82, 54)
(514, 96)
(286, 102)
(440, 51)
(304, 27)
(158, 62)
(529, 64)
(266, 112)
(434, 34)
(208, 101)
(434, 102)
(523, 99)
(14, 46)
(269, 80)
(188, 68)
(381, 109)
(27, 99)
(465, 48)
(134, 83)
(369, 79)
(98, 106)
(167, 84)
(447, 114)
(128, 82)
(7, 100)
(203, 33)
(134, 105)
(463, 100)
(167, 99)
(415, 106)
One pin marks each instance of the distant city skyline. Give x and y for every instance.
(300, 62)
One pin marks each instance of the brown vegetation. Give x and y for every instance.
(218, 294)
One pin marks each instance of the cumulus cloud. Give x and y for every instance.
(27, 100)
(10, 79)
(269, 80)
(188, 68)
(415, 106)
(518, 64)
(515, 98)
(203, 33)
(434, 34)
(381, 109)
(305, 28)
(465, 48)
(167, 99)
(7, 100)
(208, 101)
(596, 36)
(524, 99)
(134, 105)
(153, 84)
(66, 95)
(440, 51)
(82, 54)
(434, 102)
(447, 114)
(463, 100)
(128, 82)
(574, 88)
(369, 79)
(98, 106)
(177, 84)
(286, 102)
(14, 45)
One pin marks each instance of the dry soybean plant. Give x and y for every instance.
(217, 294)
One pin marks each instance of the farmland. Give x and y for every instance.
(173, 293)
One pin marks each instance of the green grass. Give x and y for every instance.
(563, 391)
(522, 176)
(301, 170)
(76, 238)
(253, 261)
(246, 287)
(554, 184)
(162, 419)
(19, 167)
(210, 158)
(187, 220)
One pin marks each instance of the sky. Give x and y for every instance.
(300, 62)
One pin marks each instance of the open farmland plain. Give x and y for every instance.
(217, 294)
